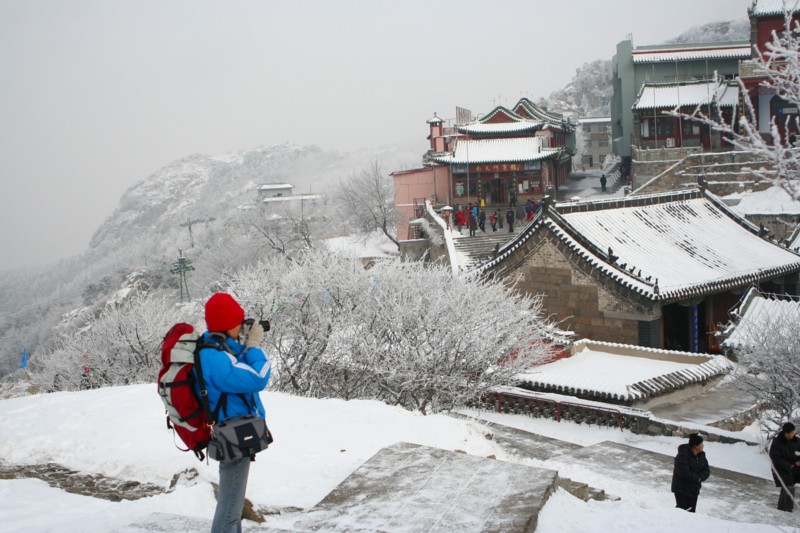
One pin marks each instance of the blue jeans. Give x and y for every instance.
(230, 500)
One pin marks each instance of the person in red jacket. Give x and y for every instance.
(460, 219)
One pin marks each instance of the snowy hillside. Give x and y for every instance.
(732, 30)
(119, 433)
(145, 232)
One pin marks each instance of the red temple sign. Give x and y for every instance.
(502, 167)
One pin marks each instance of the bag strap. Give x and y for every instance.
(222, 404)
(211, 417)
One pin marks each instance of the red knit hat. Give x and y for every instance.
(223, 312)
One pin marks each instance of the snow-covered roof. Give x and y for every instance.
(478, 128)
(772, 201)
(665, 247)
(498, 151)
(434, 120)
(528, 109)
(681, 94)
(594, 120)
(657, 55)
(623, 372)
(759, 312)
(275, 186)
(293, 198)
(765, 8)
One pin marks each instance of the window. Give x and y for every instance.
(663, 127)
(602, 144)
(690, 129)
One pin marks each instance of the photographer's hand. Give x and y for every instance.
(254, 336)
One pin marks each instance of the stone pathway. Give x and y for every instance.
(94, 485)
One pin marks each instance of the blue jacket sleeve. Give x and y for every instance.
(247, 373)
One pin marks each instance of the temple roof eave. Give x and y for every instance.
(589, 252)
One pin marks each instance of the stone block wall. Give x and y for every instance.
(586, 307)
(780, 226)
(636, 421)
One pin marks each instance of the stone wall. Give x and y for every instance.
(722, 171)
(780, 226)
(414, 250)
(636, 421)
(580, 301)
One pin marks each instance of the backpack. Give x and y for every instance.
(186, 415)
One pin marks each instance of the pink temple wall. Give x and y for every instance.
(418, 184)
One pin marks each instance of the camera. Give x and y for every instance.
(248, 323)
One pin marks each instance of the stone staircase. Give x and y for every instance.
(723, 173)
(735, 496)
(480, 248)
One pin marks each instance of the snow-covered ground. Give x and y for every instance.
(120, 432)
(373, 245)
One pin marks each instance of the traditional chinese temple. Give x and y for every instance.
(506, 156)
(655, 125)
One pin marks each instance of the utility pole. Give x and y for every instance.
(181, 267)
(189, 223)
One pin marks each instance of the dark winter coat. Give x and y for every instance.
(690, 471)
(473, 222)
(510, 216)
(782, 454)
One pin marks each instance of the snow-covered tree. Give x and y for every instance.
(439, 341)
(404, 333)
(119, 347)
(767, 350)
(779, 65)
(286, 227)
(366, 201)
(306, 300)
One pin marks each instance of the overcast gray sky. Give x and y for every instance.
(98, 94)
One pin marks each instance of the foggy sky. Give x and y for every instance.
(97, 95)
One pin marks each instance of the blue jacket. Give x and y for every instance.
(237, 371)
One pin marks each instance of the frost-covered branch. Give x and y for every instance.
(778, 151)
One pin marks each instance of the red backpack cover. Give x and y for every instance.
(185, 413)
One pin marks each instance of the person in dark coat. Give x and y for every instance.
(783, 452)
(603, 182)
(482, 220)
(473, 223)
(691, 469)
(510, 220)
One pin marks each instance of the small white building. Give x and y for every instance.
(274, 190)
(277, 199)
(593, 142)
